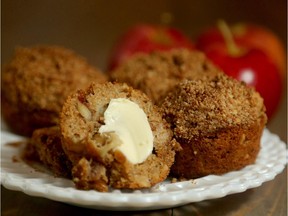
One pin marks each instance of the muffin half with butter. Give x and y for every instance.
(115, 136)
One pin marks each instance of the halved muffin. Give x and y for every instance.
(45, 147)
(115, 136)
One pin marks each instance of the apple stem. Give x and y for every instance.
(233, 49)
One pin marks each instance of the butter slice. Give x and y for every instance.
(129, 122)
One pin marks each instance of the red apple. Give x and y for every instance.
(254, 68)
(248, 35)
(245, 63)
(146, 38)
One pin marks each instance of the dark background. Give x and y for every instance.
(91, 27)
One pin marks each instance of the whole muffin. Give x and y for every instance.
(96, 125)
(36, 82)
(218, 124)
(158, 72)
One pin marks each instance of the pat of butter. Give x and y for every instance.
(129, 122)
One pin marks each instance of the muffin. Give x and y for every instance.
(115, 136)
(36, 82)
(218, 123)
(45, 146)
(158, 72)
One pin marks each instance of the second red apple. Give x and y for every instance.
(244, 62)
(248, 35)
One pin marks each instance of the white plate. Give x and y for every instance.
(21, 177)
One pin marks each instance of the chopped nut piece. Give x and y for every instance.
(84, 111)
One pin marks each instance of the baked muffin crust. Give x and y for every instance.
(158, 72)
(36, 82)
(45, 146)
(218, 123)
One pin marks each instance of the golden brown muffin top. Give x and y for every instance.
(42, 76)
(158, 72)
(202, 107)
